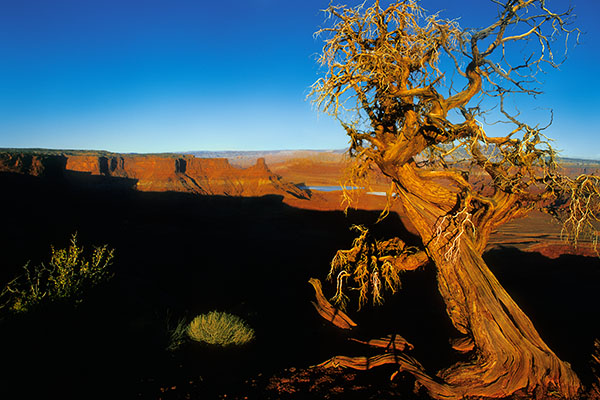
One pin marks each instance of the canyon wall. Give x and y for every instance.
(206, 176)
(33, 164)
(158, 173)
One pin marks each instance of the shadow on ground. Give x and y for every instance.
(178, 255)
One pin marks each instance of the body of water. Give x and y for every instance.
(338, 188)
(327, 188)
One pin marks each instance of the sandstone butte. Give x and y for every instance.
(32, 164)
(203, 176)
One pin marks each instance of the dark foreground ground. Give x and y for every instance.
(179, 255)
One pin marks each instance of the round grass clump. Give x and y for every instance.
(220, 328)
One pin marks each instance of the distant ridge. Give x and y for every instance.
(241, 156)
(581, 161)
(150, 173)
(257, 153)
(71, 152)
(246, 158)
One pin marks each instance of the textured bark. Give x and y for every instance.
(508, 353)
(505, 352)
(595, 390)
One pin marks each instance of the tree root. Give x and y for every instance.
(393, 344)
(327, 311)
(404, 363)
(389, 343)
(483, 376)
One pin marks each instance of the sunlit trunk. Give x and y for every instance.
(506, 352)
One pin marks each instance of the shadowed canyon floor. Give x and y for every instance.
(180, 254)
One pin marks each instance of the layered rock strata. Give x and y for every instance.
(207, 176)
(204, 176)
(32, 164)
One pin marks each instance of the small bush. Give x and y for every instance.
(69, 273)
(176, 335)
(220, 329)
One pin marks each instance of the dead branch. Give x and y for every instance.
(327, 311)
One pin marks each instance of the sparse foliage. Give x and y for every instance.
(414, 93)
(177, 334)
(67, 276)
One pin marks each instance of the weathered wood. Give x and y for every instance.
(595, 389)
(364, 363)
(463, 345)
(510, 355)
(327, 311)
(391, 342)
(404, 363)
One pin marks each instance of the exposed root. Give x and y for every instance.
(327, 311)
(389, 343)
(403, 362)
(364, 363)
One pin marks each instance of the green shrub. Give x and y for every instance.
(68, 274)
(220, 329)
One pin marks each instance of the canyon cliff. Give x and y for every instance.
(33, 164)
(157, 173)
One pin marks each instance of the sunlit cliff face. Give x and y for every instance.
(214, 176)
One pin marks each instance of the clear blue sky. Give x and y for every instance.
(177, 75)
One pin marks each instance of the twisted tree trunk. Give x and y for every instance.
(507, 353)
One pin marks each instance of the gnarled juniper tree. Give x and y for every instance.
(409, 90)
